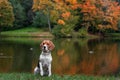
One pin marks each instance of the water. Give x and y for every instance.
(70, 56)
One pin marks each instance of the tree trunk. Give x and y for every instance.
(49, 24)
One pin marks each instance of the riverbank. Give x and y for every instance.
(37, 32)
(27, 32)
(34, 32)
(29, 76)
(112, 35)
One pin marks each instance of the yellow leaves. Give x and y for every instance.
(102, 27)
(61, 22)
(88, 7)
(3, 0)
(41, 4)
(66, 1)
(72, 1)
(101, 10)
(6, 13)
(58, 1)
(58, 8)
(75, 6)
(66, 15)
(35, 5)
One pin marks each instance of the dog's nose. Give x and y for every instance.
(44, 47)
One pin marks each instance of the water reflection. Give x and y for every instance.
(71, 56)
(74, 57)
(16, 57)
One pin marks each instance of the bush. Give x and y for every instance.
(57, 31)
(82, 32)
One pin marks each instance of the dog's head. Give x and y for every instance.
(47, 46)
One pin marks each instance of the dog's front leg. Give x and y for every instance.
(41, 69)
(49, 69)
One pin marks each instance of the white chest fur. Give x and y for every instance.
(45, 62)
(45, 58)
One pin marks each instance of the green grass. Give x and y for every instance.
(37, 32)
(29, 76)
(112, 34)
(27, 32)
(25, 40)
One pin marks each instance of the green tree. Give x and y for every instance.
(19, 13)
(46, 6)
(40, 20)
(27, 5)
(6, 14)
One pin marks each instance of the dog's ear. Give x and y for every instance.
(41, 45)
(51, 46)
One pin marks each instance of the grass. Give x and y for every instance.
(37, 32)
(29, 76)
(27, 32)
(112, 34)
(25, 40)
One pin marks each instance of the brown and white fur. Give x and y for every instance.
(44, 63)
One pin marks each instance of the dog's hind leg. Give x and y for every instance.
(36, 70)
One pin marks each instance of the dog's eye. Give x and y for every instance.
(43, 43)
(47, 43)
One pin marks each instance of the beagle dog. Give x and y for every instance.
(44, 63)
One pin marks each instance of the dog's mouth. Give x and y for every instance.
(45, 50)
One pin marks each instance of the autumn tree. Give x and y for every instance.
(102, 14)
(58, 12)
(6, 13)
(67, 18)
(46, 6)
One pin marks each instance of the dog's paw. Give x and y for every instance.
(41, 73)
(49, 74)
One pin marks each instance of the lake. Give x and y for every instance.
(70, 56)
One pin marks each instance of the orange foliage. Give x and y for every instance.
(73, 7)
(95, 12)
(72, 1)
(41, 4)
(66, 15)
(61, 7)
(58, 1)
(61, 22)
(103, 11)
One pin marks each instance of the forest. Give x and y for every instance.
(62, 17)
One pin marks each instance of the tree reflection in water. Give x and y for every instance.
(74, 58)
(71, 56)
